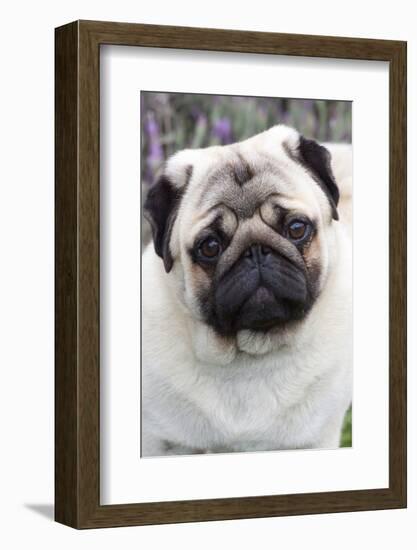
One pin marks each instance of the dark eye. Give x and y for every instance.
(209, 249)
(297, 230)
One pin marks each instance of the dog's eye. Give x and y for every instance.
(210, 248)
(297, 230)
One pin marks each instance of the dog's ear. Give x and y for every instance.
(161, 208)
(316, 159)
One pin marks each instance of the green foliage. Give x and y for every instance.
(346, 439)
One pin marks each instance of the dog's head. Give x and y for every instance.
(244, 229)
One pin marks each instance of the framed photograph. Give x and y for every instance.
(230, 274)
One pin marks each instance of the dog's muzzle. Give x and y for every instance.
(261, 290)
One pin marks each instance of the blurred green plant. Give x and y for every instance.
(173, 121)
(346, 439)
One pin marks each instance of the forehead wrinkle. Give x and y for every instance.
(227, 172)
(200, 222)
(243, 201)
(219, 186)
(205, 219)
(242, 170)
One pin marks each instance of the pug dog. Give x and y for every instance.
(247, 298)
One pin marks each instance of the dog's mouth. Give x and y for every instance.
(261, 292)
(265, 325)
(262, 311)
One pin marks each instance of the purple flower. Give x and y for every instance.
(222, 129)
(155, 149)
(155, 153)
(308, 105)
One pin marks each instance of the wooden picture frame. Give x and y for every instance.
(77, 374)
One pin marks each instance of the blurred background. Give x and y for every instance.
(175, 121)
(171, 122)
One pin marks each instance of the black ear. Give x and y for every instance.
(316, 159)
(160, 210)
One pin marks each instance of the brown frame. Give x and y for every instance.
(77, 274)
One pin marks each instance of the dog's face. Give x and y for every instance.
(245, 229)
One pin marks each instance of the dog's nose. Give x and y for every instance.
(257, 251)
